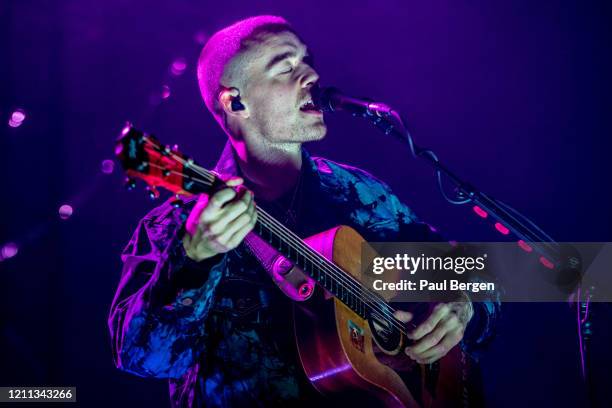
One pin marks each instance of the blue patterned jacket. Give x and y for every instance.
(219, 330)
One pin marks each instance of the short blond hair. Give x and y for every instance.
(223, 46)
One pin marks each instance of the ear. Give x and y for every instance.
(226, 96)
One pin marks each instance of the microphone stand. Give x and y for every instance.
(466, 192)
(553, 255)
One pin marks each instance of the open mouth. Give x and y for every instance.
(309, 107)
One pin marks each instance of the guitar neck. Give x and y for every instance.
(341, 285)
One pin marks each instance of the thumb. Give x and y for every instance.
(234, 181)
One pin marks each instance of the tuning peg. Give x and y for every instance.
(153, 192)
(130, 183)
(177, 202)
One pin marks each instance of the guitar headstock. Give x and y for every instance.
(142, 156)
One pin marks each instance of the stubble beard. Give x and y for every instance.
(298, 132)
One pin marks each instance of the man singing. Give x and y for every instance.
(193, 304)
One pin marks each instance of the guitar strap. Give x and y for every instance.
(290, 279)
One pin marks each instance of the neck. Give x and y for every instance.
(269, 170)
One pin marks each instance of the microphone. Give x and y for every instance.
(331, 99)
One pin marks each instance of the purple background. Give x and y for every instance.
(515, 97)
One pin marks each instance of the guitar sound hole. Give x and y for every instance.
(386, 335)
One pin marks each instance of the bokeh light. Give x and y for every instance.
(126, 129)
(17, 118)
(178, 66)
(107, 166)
(65, 211)
(165, 93)
(9, 250)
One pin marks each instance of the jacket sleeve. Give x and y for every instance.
(157, 318)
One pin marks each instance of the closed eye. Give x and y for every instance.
(287, 71)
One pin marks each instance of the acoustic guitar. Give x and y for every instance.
(347, 337)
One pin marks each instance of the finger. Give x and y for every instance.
(194, 216)
(439, 311)
(403, 316)
(246, 195)
(236, 239)
(234, 209)
(234, 181)
(432, 339)
(226, 216)
(440, 350)
(187, 240)
(216, 202)
(233, 227)
(239, 236)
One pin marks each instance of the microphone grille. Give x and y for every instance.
(322, 97)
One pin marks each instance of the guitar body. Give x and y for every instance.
(340, 354)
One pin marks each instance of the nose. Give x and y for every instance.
(309, 78)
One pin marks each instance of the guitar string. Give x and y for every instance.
(329, 267)
(316, 258)
(354, 287)
(372, 301)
